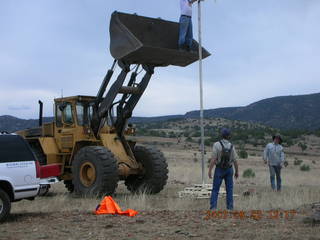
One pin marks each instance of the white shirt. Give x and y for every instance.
(186, 7)
(273, 153)
(217, 150)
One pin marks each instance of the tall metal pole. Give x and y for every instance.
(201, 92)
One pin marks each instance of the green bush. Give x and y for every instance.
(297, 162)
(293, 133)
(207, 142)
(172, 135)
(243, 153)
(305, 167)
(195, 159)
(289, 142)
(303, 146)
(248, 173)
(196, 134)
(189, 139)
(186, 134)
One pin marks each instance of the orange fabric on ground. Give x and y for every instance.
(109, 206)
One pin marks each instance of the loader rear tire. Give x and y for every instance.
(155, 175)
(5, 205)
(95, 172)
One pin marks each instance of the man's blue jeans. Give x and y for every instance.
(219, 175)
(275, 172)
(185, 32)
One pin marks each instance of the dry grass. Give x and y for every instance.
(290, 198)
(62, 216)
(55, 203)
(299, 188)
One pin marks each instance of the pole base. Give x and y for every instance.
(199, 191)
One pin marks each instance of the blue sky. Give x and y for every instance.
(259, 49)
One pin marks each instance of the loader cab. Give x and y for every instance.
(72, 121)
(73, 111)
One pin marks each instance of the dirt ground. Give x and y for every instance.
(166, 216)
(151, 225)
(160, 224)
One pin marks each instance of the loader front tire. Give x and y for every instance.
(95, 172)
(155, 173)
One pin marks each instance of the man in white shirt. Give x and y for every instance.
(273, 155)
(185, 31)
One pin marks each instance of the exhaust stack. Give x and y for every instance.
(40, 112)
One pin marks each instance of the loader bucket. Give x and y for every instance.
(142, 40)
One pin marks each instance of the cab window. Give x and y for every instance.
(80, 114)
(90, 112)
(58, 117)
(84, 113)
(67, 113)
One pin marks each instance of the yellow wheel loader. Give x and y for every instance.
(88, 136)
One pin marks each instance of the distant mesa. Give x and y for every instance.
(286, 112)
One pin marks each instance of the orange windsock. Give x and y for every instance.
(109, 206)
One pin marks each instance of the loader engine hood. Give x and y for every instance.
(143, 40)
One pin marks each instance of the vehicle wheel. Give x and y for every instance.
(5, 205)
(69, 185)
(44, 189)
(95, 171)
(155, 171)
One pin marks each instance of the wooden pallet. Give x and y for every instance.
(200, 191)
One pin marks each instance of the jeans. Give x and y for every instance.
(219, 175)
(275, 171)
(185, 32)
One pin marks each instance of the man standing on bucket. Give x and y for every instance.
(273, 155)
(224, 157)
(185, 31)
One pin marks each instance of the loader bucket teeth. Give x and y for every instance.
(142, 40)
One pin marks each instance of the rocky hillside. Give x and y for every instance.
(12, 124)
(289, 112)
(286, 112)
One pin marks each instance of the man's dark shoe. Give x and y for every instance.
(183, 48)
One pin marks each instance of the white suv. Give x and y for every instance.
(20, 173)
